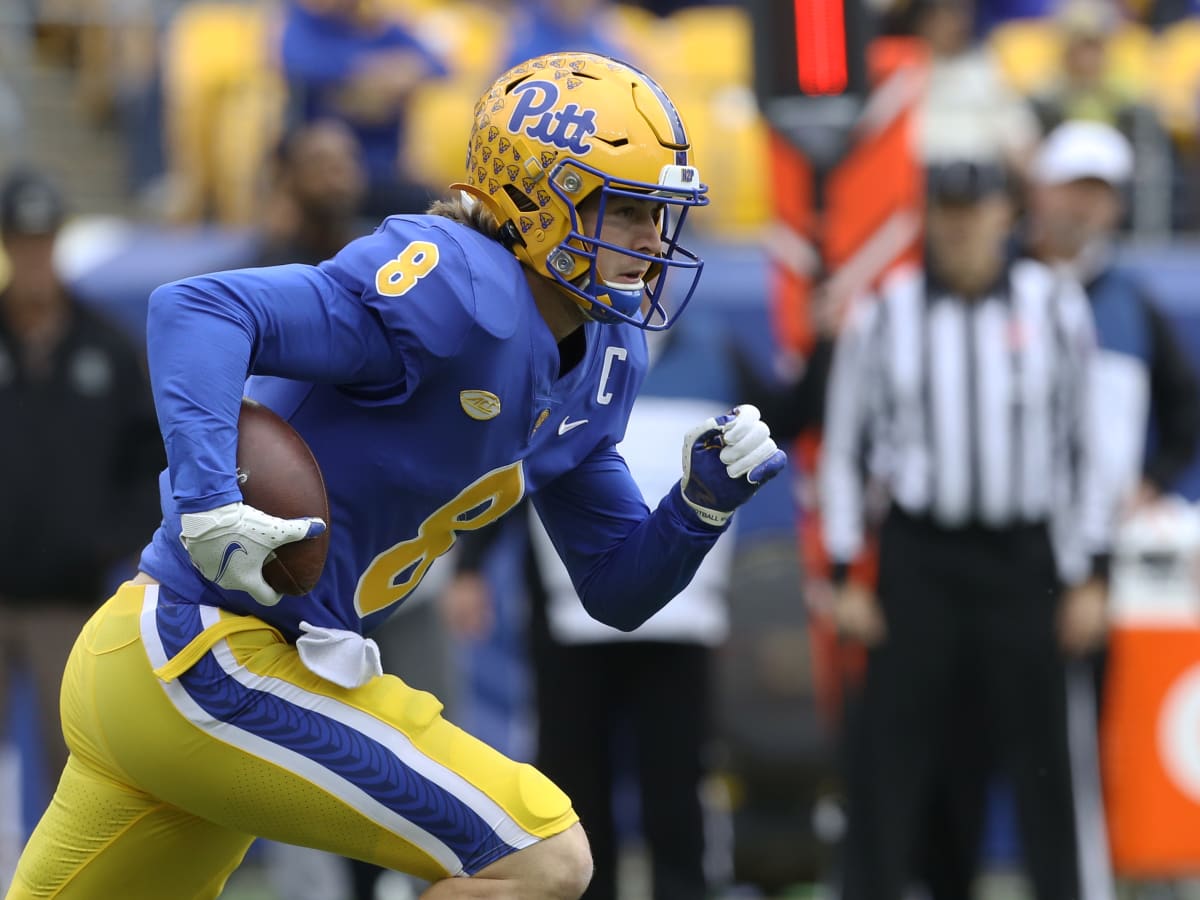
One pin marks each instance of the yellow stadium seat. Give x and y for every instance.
(637, 29)
(439, 125)
(471, 37)
(1131, 58)
(1175, 76)
(223, 102)
(706, 47)
(730, 137)
(1028, 51)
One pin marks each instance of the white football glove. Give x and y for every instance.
(726, 460)
(230, 544)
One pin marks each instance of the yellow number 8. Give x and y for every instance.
(396, 571)
(397, 277)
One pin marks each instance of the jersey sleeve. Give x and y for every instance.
(625, 562)
(413, 275)
(336, 323)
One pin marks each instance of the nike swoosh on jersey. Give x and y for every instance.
(566, 424)
(226, 557)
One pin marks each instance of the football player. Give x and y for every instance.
(440, 369)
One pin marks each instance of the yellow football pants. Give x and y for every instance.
(173, 774)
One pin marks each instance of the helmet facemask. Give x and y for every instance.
(574, 266)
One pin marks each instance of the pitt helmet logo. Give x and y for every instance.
(566, 128)
(480, 405)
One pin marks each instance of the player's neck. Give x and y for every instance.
(559, 312)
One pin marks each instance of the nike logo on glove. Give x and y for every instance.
(233, 548)
(566, 424)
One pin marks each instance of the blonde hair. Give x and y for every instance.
(461, 208)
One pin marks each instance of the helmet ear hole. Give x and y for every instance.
(523, 203)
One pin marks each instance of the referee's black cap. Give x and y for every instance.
(962, 182)
(30, 203)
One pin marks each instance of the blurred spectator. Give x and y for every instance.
(1078, 181)
(968, 111)
(315, 206)
(600, 691)
(958, 402)
(1085, 88)
(79, 494)
(989, 13)
(1161, 13)
(1141, 374)
(344, 59)
(543, 26)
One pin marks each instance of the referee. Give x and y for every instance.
(957, 408)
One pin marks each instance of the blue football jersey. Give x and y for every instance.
(418, 369)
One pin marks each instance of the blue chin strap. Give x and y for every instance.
(634, 304)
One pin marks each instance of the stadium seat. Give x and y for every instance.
(223, 105)
(439, 125)
(1130, 58)
(1028, 51)
(730, 137)
(470, 37)
(1175, 76)
(637, 29)
(705, 47)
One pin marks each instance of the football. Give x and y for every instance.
(278, 474)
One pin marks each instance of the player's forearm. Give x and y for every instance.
(649, 567)
(198, 360)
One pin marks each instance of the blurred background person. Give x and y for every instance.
(79, 461)
(1080, 178)
(1145, 391)
(968, 111)
(1085, 86)
(315, 205)
(1092, 82)
(963, 390)
(349, 60)
(543, 26)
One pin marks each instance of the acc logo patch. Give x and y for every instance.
(480, 405)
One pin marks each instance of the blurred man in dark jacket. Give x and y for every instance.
(79, 459)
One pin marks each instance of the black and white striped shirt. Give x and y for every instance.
(967, 412)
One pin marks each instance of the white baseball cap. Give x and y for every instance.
(1079, 149)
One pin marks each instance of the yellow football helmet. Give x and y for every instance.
(554, 130)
